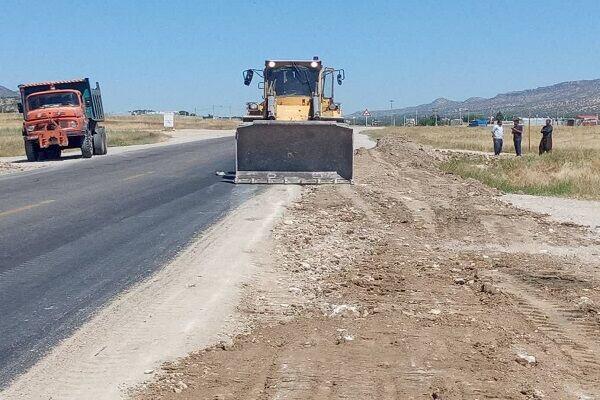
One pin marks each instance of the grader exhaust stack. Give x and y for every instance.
(296, 135)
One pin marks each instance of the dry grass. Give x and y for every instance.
(480, 139)
(155, 122)
(122, 130)
(11, 142)
(563, 173)
(572, 170)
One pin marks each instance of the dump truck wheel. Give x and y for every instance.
(87, 145)
(104, 142)
(100, 147)
(31, 150)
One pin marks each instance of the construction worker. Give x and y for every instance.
(517, 131)
(546, 142)
(498, 137)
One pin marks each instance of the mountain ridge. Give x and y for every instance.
(6, 92)
(564, 98)
(8, 100)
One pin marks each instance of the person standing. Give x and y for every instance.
(546, 142)
(498, 137)
(517, 131)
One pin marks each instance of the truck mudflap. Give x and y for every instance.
(306, 152)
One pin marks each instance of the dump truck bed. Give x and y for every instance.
(306, 152)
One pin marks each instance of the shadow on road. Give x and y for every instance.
(62, 158)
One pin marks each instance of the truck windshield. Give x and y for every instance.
(48, 100)
(293, 80)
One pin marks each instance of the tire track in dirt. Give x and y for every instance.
(420, 210)
(575, 335)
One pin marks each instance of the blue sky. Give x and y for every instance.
(171, 55)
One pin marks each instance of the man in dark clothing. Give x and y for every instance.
(546, 142)
(517, 131)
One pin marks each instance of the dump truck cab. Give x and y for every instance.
(52, 116)
(296, 133)
(59, 115)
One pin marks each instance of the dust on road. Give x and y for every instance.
(411, 284)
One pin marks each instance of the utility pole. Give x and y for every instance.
(416, 117)
(391, 109)
(229, 112)
(529, 132)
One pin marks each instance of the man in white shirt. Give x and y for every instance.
(498, 137)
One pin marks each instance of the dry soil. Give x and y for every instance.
(410, 284)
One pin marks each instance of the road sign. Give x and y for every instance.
(169, 120)
(366, 114)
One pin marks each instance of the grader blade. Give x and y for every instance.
(307, 152)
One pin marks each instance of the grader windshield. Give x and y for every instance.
(294, 80)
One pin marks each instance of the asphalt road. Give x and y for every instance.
(73, 237)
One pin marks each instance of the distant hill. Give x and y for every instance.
(566, 98)
(5, 92)
(8, 100)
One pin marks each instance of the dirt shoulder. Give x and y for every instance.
(410, 284)
(580, 212)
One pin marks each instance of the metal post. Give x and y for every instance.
(529, 133)
(391, 110)
(366, 121)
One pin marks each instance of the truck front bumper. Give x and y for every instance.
(49, 132)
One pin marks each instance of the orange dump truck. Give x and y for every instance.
(62, 114)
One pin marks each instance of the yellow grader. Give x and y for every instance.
(296, 134)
